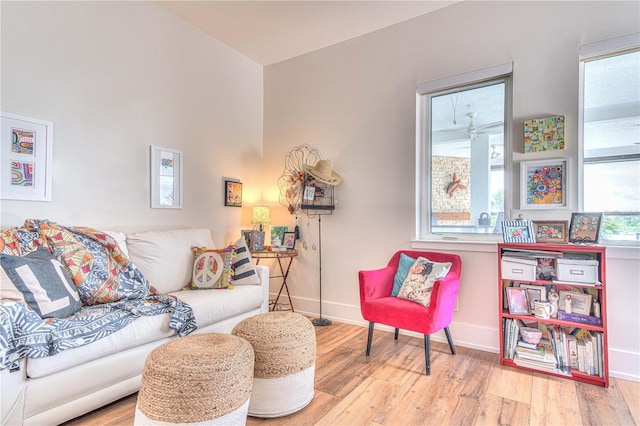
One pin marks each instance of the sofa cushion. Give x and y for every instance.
(419, 282)
(164, 257)
(211, 306)
(211, 268)
(244, 271)
(46, 286)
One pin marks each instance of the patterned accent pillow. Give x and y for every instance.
(244, 271)
(401, 274)
(419, 283)
(45, 284)
(211, 268)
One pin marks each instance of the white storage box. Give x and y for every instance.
(514, 268)
(577, 271)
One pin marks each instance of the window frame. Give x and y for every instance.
(587, 53)
(499, 73)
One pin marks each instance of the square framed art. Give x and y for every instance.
(543, 184)
(585, 228)
(26, 154)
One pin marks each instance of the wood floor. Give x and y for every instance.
(391, 389)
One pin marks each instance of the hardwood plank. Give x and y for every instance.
(631, 394)
(391, 388)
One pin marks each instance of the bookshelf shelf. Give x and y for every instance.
(575, 350)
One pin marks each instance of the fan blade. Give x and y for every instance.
(491, 125)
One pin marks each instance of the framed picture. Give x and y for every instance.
(26, 154)
(585, 227)
(543, 184)
(289, 240)
(518, 301)
(534, 292)
(517, 231)
(277, 235)
(166, 178)
(232, 193)
(551, 231)
(544, 134)
(580, 302)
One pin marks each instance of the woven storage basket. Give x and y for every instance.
(284, 344)
(197, 379)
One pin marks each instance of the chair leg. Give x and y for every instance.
(448, 333)
(370, 337)
(427, 353)
(395, 334)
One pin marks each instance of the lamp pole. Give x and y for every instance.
(320, 321)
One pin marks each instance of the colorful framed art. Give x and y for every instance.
(517, 231)
(543, 184)
(551, 231)
(26, 154)
(585, 228)
(544, 134)
(232, 193)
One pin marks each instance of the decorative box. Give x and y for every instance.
(514, 268)
(577, 270)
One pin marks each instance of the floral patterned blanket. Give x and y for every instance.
(112, 290)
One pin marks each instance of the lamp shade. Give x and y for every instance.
(260, 215)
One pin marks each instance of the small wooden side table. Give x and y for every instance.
(284, 271)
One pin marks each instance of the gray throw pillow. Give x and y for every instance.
(45, 284)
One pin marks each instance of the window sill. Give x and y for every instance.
(613, 252)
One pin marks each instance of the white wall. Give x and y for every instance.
(114, 78)
(355, 101)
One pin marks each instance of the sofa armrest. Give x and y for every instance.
(263, 274)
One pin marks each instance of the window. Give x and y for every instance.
(461, 147)
(610, 135)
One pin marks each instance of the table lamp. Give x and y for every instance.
(260, 216)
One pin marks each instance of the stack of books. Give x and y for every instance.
(540, 357)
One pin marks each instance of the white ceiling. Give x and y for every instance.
(273, 31)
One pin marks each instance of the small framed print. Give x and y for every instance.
(518, 231)
(289, 240)
(518, 300)
(232, 193)
(26, 153)
(551, 231)
(534, 292)
(277, 235)
(580, 302)
(585, 228)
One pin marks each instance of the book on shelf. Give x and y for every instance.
(584, 319)
(527, 345)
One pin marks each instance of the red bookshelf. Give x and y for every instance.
(586, 264)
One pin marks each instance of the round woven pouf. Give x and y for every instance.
(197, 379)
(284, 344)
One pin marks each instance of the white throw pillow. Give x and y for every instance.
(244, 271)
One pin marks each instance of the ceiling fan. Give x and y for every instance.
(472, 129)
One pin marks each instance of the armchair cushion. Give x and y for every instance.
(404, 265)
(419, 282)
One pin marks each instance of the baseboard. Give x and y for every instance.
(622, 364)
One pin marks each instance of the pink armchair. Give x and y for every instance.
(378, 306)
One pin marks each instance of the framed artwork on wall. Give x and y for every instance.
(543, 184)
(26, 154)
(544, 134)
(551, 231)
(166, 178)
(585, 228)
(232, 193)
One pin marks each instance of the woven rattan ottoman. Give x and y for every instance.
(284, 344)
(197, 379)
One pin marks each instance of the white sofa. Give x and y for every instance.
(49, 391)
